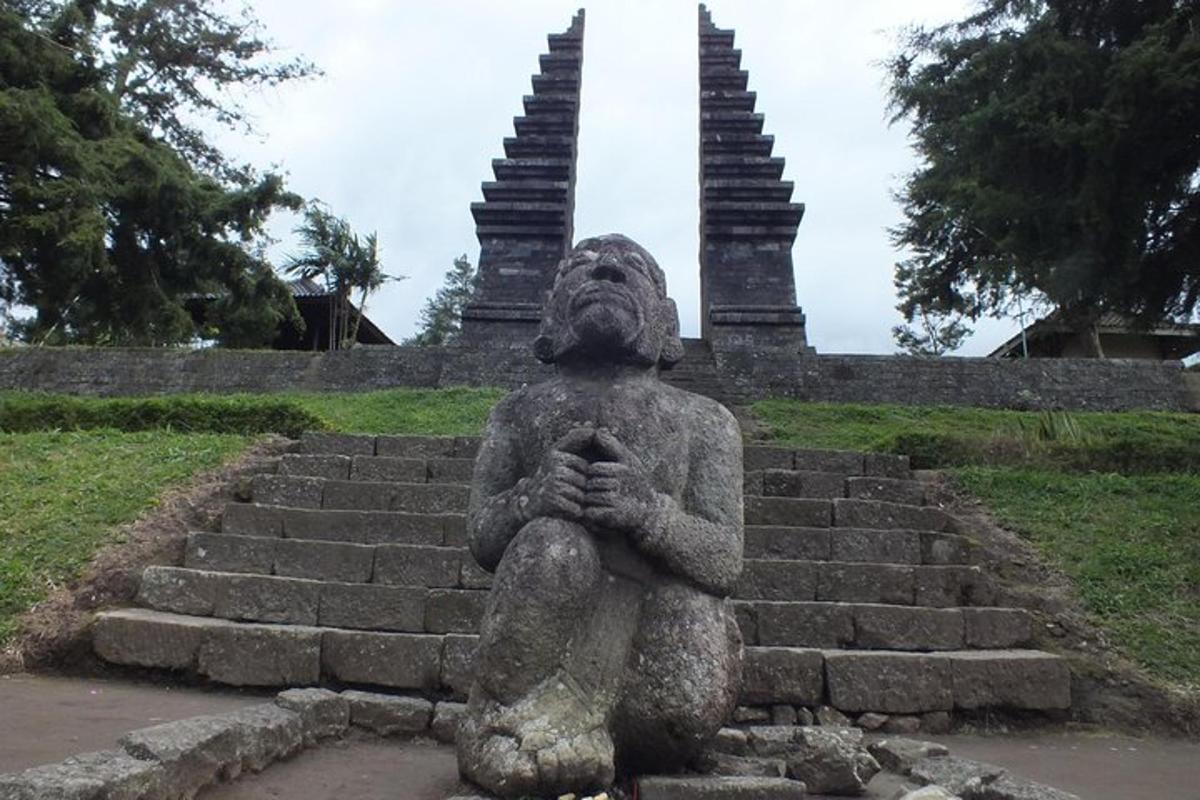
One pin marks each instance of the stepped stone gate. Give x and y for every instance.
(747, 220)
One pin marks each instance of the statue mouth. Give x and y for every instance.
(595, 292)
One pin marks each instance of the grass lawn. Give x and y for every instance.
(1130, 543)
(62, 494)
(445, 412)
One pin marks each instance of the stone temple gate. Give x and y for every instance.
(747, 219)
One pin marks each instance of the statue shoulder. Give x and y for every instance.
(710, 420)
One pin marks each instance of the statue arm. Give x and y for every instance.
(700, 537)
(493, 515)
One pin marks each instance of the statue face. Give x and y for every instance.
(609, 304)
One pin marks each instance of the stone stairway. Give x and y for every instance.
(350, 567)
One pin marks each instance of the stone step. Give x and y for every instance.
(846, 462)
(299, 601)
(349, 444)
(307, 492)
(847, 582)
(247, 654)
(873, 626)
(356, 527)
(780, 542)
(378, 468)
(526, 191)
(846, 513)
(815, 484)
(733, 121)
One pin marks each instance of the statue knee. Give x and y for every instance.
(554, 551)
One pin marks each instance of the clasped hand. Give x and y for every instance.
(613, 491)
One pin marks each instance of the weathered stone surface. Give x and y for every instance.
(953, 773)
(261, 655)
(865, 583)
(398, 660)
(792, 483)
(893, 683)
(907, 628)
(757, 457)
(422, 447)
(1011, 678)
(180, 591)
(778, 580)
(371, 607)
(226, 552)
(387, 469)
(944, 548)
(897, 754)
(365, 527)
(902, 724)
(783, 675)
(929, 793)
(412, 565)
(329, 467)
(109, 775)
(845, 462)
(936, 722)
(287, 490)
(871, 721)
(783, 714)
(473, 576)
(789, 511)
(316, 443)
(324, 561)
(831, 761)
(853, 513)
(609, 506)
(886, 465)
(252, 519)
(268, 733)
(802, 544)
(947, 586)
(1006, 787)
(804, 624)
(387, 714)
(322, 713)
(831, 717)
(751, 715)
(362, 496)
(264, 598)
(446, 717)
(706, 787)
(450, 470)
(194, 752)
(884, 547)
(458, 663)
(144, 638)
(996, 628)
(890, 490)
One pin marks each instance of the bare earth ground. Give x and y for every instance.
(45, 719)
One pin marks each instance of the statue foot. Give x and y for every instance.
(550, 743)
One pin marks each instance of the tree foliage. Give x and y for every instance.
(344, 262)
(441, 318)
(1059, 155)
(106, 229)
(932, 335)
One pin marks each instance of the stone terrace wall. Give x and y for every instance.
(1075, 384)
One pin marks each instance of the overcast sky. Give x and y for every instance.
(417, 96)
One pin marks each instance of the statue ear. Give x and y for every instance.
(543, 348)
(672, 345)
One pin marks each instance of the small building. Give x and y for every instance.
(1051, 337)
(316, 306)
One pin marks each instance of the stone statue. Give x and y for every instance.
(609, 506)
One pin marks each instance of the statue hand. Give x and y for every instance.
(557, 488)
(618, 492)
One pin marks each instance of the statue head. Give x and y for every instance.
(609, 304)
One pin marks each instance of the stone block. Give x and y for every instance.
(322, 713)
(831, 761)
(891, 683)
(777, 580)
(315, 443)
(104, 775)
(454, 610)
(372, 607)
(434, 498)
(747, 620)
(865, 583)
(261, 655)
(783, 675)
(1026, 679)
(953, 773)
(359, 496)
(384, 469)
(225, 552)
(324, 561)
(875, 546)
(792, 483)
(454, 529)
(718, 787)
(364, 527)
(891, 490)
(143, 638)
(423, 447)
(450, 470)
(458, 663)
(996, 628)
(329, 467)
(948, 586)
(944, 548)
(759, 458)
(264, 598)
(397, 660)
(180, 591)
(883, 627)
(287, 490)
(269, 733)
(1006, 787)
(193, 753)
(467, 446)
(388, 714)
(414, 565)
(789, 511)
(803, 544)
(897, 754)
(471, 575)
(853, 513)
(752, 482)
(886, 465)
(252, 519)
(446, 717)
(804, 624)
(845, 462)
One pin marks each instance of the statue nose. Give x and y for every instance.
(606, 271)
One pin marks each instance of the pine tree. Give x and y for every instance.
(441, 319)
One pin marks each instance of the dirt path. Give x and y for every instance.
(46, 719)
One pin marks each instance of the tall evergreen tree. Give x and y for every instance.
(441, 318)
(1059, 156)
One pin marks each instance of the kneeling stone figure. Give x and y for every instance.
(609, 506)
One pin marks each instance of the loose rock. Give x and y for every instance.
(387, 714)
(953, 773)
(827, 715)
(902, 724)
(322, 713)
(898, 755)
(871, 721)
(831, 761)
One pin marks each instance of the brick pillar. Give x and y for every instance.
(525, 222)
